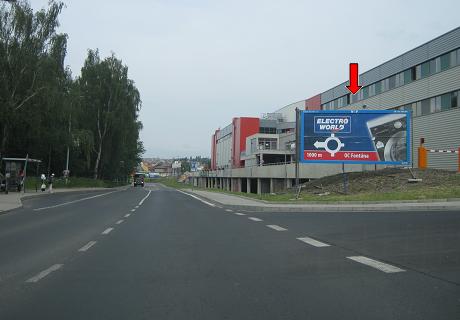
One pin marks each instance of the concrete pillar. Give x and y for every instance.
(288, 183)
(239, 182)
(248, 185)
(272, 185)
(259, 186)
(229, 184)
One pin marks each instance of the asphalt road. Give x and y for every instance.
(156, 253)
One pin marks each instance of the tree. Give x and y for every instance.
(111, 103)
(31, 63)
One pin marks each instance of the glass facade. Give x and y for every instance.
(440, 103)
(446, 61)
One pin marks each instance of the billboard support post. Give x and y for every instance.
(344, 175)
(297, 145)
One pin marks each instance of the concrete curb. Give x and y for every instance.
(342, 206)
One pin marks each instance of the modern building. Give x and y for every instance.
(256, 154)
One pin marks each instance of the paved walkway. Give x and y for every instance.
(12, 200)
(256, 205)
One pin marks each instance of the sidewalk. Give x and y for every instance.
(243, 203)
(12, 200)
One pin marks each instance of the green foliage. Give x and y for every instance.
(44, 110)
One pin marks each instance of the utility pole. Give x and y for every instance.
(68, 151)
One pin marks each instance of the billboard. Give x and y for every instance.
(355, 136)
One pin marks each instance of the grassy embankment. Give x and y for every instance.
(73, 182)
(450, 188)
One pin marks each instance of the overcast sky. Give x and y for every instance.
(199, 63)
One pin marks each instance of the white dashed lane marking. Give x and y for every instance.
(120, 221)
(255, 219)
(240, 214)
(313, 242)
(127, 215)
(44, 273)
(385, 267)
(275, 227)
(87, 246)
(228, 210)
(132, 210)
(107, 231)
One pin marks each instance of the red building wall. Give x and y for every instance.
(313, 103)
(242, 128)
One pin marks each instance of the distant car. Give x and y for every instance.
(153, 175)
(139, 179)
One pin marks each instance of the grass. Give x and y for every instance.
(73, 182)
(420, 193)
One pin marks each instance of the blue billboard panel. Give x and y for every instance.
(355, 136)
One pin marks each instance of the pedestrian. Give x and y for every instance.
(43, 186)
(51, 182)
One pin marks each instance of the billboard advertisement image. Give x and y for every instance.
(355, 136)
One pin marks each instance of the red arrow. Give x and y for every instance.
(354, 87)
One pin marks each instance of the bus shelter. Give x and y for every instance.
(14, 172)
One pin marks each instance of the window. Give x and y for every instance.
(454, 99)
(378, 88)
(392, 82)
(418, 72)
(372, 90)
(267, 130)
(425, 107)
(446, 101)
(425, 69)
(354, 98)
(385, 83)
(418, 108)
(445, 61)
(365, 92)
(409, 75)
(267, 144)
(400, 79)
(453, 59)
(435, 104)
(458, 57)
(348, 99)
(435, 66)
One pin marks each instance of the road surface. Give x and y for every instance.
(156, 253)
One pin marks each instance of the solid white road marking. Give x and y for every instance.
(74, 201)
(127, 215)
(87, 246)
(228, 210)
(239, 214)
(144, 198)
(313, 242)
(107, 231)
(137, 207)
(132, 210)
(44, 273)
(254, 219)
(197, 198)
(119, 221)
(275, 227)
(385, 267)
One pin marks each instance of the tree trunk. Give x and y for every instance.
(4, 139)
(98, 159)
